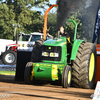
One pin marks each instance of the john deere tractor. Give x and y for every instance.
(55, 66)
(50, 60)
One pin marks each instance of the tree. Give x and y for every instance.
(39, 24)
(18, 12)
(6, 20)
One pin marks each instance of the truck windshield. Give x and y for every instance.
(35, 37)
(25, 37)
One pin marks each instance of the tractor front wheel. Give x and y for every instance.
(84, 66)
(66, 77)
(28, 77)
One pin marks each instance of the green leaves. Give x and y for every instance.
(18, 12)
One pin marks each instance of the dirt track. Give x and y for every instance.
(22, 91)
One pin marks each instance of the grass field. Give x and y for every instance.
(7, 72)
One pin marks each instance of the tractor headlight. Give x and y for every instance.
(54, 54)
(46, 54)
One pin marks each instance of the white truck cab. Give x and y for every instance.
(28, 45)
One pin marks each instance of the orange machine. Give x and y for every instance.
(45, 21)
(97, 78)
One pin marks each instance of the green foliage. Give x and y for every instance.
(52, 20)
(18, 12)
(70, 27)
(39, 24)
(6, 20)
(82, 28)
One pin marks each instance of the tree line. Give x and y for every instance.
(19, 12)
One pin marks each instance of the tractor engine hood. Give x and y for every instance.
(55, 42)
(55, 51)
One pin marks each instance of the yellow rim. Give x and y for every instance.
(69, 77)
(32, 72)
(91, 67)
(31, 77)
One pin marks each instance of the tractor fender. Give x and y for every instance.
(75, 47)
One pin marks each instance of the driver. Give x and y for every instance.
(64, 34)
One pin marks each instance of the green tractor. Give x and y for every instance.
(50, 62)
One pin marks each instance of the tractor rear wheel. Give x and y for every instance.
(37, 51)
(84, 66)
(28, 77)
(66, 77)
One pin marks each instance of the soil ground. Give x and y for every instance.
(12, 90)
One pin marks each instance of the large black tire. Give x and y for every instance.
(84, 66)
(37, 51)
(28, 78)
(66, 77)
(9, 57)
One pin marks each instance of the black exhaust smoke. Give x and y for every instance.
(64, 8)
(86, 12)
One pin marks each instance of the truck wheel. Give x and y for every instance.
(9, 57)
(66, 77)
(84, 66)
(28, 78)
(37, 51)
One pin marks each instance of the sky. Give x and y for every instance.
(40, 9)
